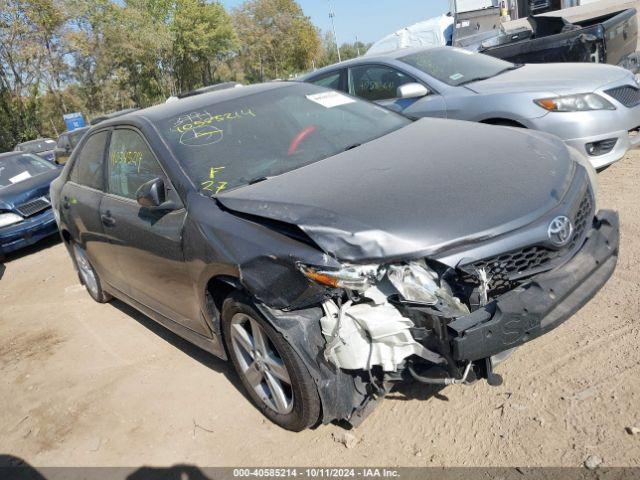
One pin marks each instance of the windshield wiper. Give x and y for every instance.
(351, 147)
(257, 180)
(478, 79)
(515, 66)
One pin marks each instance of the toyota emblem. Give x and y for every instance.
(560, 231)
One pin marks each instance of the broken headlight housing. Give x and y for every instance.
(582, 102)
(415, 282)
(351, 277)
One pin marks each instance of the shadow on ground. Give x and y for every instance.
(205, 358)
(45, 243)
(16, 468)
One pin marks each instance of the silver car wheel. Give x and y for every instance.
(86, 272)
(260, 363)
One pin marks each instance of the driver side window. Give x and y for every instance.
(376, 82)
(130, 164)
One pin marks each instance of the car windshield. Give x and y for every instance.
(455, 66)
(17, 168)
(37, 146)
(230, 144)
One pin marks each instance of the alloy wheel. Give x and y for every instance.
(86, 271)
(260, 364)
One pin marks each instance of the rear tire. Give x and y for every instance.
(272, 373)
(88, 276)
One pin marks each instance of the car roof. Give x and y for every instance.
(10, 154)
(209, 88)
(386, 56)
(192, 103)
(37, 140)
(75, 130)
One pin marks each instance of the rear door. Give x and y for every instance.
(80, 204)
(147, 244)
(380, 83)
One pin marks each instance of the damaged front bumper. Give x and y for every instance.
(363, 348)
(542, 303)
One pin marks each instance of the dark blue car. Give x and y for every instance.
(25, 209)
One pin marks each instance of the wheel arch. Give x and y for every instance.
(219, 287)
(501, 121)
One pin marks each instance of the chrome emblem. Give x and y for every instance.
(560, 231)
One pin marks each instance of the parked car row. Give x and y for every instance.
(329, 246)
(59, 151)
(25, 208)
(594, 108)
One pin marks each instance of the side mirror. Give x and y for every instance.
(412, 90)
(152, 195)
(59, 155)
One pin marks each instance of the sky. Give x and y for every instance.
(370, 20)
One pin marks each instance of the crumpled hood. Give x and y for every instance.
(26, 190)
(558, 78)
(417, 191)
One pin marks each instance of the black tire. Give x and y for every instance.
(305, 411)
(84, 267)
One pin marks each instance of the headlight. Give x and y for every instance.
(415, 282)
(7, 219)
(351, 277)
(582, 102)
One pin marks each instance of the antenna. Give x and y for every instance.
(333, 26)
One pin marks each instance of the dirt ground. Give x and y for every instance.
(102, 385)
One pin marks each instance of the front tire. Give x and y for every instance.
(88, 276)
(272, 373)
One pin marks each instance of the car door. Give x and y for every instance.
(380, 83)
(147, 243)
(80, 200)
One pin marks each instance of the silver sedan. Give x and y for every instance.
(594, 108)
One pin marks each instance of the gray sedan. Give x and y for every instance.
(593, 108)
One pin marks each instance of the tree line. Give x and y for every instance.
(99, 56)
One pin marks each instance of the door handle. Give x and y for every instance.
(108, 220)
(65, 203)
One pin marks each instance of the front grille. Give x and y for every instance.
(33, 206)
(627, 95)
(505, 270)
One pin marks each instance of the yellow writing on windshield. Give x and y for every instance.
(127, 158)
(213, 186)
(213, 171)
(197, 120)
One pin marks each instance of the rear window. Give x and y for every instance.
(37, 146)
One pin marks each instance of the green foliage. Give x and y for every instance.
(329, 54)
(98, 56)
(277, 39)
(203, 38)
